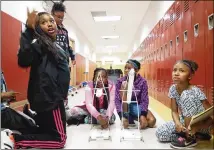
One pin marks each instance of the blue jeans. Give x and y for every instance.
(132, 114)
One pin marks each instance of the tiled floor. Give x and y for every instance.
(78, 135)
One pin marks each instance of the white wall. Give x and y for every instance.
(82, 44)
(18, 10)
(155, 12)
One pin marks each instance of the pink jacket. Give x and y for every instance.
(89, 100)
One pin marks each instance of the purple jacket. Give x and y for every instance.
(142, 96)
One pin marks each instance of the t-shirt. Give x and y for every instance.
(189, 102)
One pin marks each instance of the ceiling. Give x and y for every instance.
(131, 13)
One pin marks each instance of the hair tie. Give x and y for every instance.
(133, 63)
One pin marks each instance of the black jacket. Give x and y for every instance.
(49, 79)
(63, 40)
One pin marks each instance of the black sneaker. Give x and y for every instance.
(203, 136)
(182, 142)
(176, 135)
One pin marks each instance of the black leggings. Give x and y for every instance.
(51, 131)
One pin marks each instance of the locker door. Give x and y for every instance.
(171, 49)
(178, 38)
(187, 29)
(208, 26)
(161, 63)
(154, 75)
(198, 42)
(166, 55)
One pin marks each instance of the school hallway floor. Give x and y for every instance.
(78, 135)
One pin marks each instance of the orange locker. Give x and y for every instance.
(208, 28)
(187, 29)
(198, 42)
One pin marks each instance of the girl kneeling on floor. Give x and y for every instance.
(130, 111)
(48, 83)
(99, 102)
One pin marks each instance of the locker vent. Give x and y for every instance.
(161, 28)
(166, 21)
(186, 6)
(158, 32)
(178, 12)
(166, 25)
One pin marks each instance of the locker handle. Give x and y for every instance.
(170, 43)
(177, 40)
(210, 22)
(196, 29)
(185, 36)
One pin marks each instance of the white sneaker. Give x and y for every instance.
(6, 141)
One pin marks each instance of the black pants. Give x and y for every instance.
(51, 131)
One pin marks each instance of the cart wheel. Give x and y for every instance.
(72, 94)
(76, 92)
(89, 139)
(141, 139)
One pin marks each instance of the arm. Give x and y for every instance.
(117, 97)
(71, 52)
(111, 106)
(89, 103)
(175, 115)
(26, 53)
(144, 101)
(206, 105)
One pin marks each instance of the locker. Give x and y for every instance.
(165, 56)
(187, 29)
(171, 50)
(155, 75)
(208, 28)
(178, 38)
(198, 42)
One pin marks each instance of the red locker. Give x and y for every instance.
(178, 38)
(187, 29)
(198, 42)
(166, 57)
(208, 26)
(171, 51)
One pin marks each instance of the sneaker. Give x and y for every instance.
(203, 136)
(7, 141)
(176, 135)
(181, 142)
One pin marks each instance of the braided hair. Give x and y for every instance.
(58, 6)
(106, 97)
(193, 66)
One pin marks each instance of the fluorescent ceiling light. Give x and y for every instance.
(107, 18)
(113, 46)
(109, 37)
